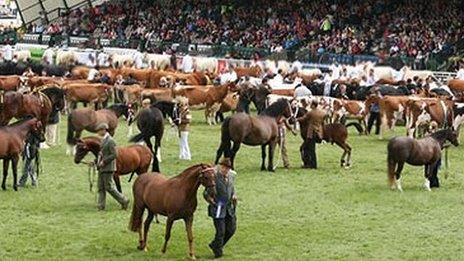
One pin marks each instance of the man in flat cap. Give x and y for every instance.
(222, 210)
(106, 165)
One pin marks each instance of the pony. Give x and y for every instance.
(87, 119)
(417, 152)
(131, 159)
(254, 131)
(175, 198)
(13, 139)
(248, 93)
(150, 122)
(40, 104)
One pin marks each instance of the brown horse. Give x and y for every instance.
(131, 159)
(175, 198)
(253, 71)
(13, 137)
(88, 119)
(10, 83)
(416, 152)
(254, 131)
(86, 93)
(39, 104)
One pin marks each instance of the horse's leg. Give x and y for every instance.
(5, 172)
(263, 157)
(167, 236)
(272, 146)
(391, 173)
(188, 226)
(117, 182)
(398, 176)
(427, 172)
(235, 148)
(14, 163)
(146, 228)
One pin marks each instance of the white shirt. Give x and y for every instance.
(302, 91)
(187, 64)
(296, 66)
(279, 79)
(8, 52)
(371, 80)
(460, 74)
(91, 63)
(48, 55)
(138, 60)
(397, 75)
(335, 71)
(103, 59)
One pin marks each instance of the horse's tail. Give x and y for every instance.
(224, 147)
(356, 125)
(70, 135)
(137, 138)
(391, 164)
(138, 208)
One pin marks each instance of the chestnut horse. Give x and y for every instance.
(130, 159)
(175, 198)
(254, 131)
(417, 152)
(87, 119)
(13, 137)
(39, 104)
(86, 93)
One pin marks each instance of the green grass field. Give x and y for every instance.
(295, 214)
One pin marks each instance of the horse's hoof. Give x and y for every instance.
(193, 257)
(263, 169)
(145, 249)
(3, 187)
(15, 187)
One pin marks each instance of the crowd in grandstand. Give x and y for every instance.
(376, 27)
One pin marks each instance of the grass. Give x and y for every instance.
(295, 214)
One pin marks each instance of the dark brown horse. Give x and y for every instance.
(261, 130)
(416, 152)
(87, 119)
(38, 104)
(131, 159)
(12, 144)
(175, 198)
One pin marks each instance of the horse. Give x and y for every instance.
(87, 119)
(254, 131)
(150, 122)
(417, 152)
(40, 104)
(174, 198)
(248, 93)
(13, 137)
(333, 133)
(130, 159)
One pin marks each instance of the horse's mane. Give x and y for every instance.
(52, 90)
(21, 121)
(189, 170)
(276, 108)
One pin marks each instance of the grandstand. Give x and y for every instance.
(392, 32)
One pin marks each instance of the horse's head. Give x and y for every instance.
(81, 151)
(207, 178)
(453, 137)
(36, 129)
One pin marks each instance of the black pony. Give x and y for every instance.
(251, 94)
(150, 122)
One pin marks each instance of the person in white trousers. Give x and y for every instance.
(184, 126)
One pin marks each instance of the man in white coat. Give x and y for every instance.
(8, 52)
(187, 64)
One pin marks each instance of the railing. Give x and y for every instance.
(201, 49)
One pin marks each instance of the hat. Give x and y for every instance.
(102, 126)
(226, 163)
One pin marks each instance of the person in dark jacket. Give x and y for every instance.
(374, 117)
(106, 165)
(222, 210)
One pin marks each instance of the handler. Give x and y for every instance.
(222, 211)
(106, 167)
(314, 120)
